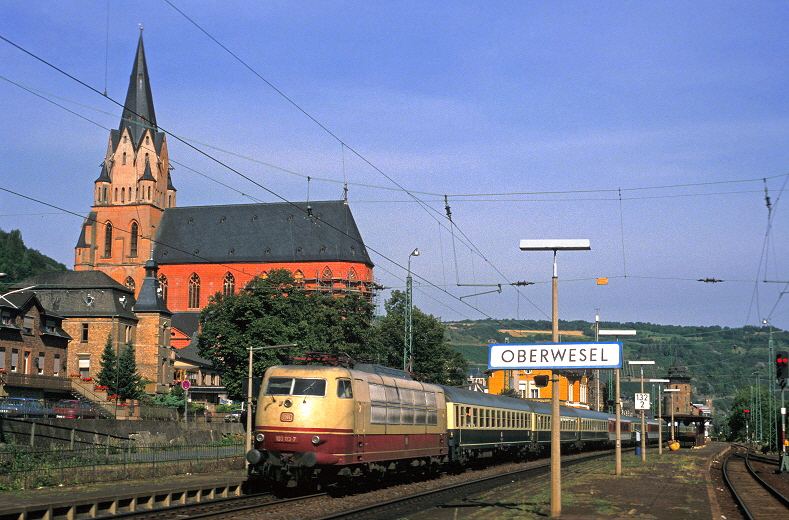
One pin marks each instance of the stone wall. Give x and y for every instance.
(95, 431)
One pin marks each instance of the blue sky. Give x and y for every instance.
(650, 128)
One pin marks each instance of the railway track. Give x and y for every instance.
(756, 497)
(266, 505)
(411, 504)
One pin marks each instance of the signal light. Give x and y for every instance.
(747, 414)
(540, 381)
(782, 367)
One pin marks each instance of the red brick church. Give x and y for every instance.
(202, 250)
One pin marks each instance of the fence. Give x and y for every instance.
(24, 467)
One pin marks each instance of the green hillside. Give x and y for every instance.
(719, 360)
(19, 262)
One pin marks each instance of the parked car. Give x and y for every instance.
(20, 407)
(233, 416)
(74, 409)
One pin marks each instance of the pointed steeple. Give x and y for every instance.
(138, 112)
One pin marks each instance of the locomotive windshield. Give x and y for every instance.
(296, 386)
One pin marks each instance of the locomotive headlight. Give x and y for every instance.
(316, 440)
(288, 403)
(260, 437)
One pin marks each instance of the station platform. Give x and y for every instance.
(102, 499)
(674, 485)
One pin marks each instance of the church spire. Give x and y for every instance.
(138, 112)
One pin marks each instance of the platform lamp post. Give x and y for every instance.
(660, 411)
(408, 337)
(581, 244)
(643, 410)
(249, 390)
(618, 404)
(672, 409)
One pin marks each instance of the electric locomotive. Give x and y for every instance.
(323, 424)
(315, 423)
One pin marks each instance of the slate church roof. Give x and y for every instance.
(321, 231)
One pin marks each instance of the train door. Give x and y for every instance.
(361, 414)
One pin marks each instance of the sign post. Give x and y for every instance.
(555, 356)
(555, 245)
(185, 384)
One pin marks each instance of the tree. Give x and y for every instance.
(433, 357)
(175, 398)
(130, 385)
(276, 311)
(760, 422)
(108, 375)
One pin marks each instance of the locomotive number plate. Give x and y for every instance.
(286, 417)
(285, 438)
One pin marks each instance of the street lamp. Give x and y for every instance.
(643, 422)
(249, 390)
(408, 338)
(660, 411)
(555, 245)
(618, 405)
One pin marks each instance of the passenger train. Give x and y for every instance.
(321, 424)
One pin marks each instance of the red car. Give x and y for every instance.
(74, 409)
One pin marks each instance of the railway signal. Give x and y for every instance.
(782, 367)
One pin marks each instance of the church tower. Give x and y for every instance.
(132, 191)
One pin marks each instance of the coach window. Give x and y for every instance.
(344, 389)
(391, 395)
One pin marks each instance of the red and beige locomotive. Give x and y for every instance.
(321, 424)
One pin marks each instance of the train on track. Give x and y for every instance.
(324, 424)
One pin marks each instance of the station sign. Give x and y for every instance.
(549, 356)
(642, 401)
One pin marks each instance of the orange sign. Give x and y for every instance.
(602, 281)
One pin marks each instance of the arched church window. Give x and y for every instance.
(130, 283)
(124, 155)
(352, 274)
(163, 287)
(123, 195)
(108, 239)
(325, 282)
(298, 276)
(133, 241)
(228, 285)
(194, 292)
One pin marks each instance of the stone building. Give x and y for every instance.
(95, 308)
(33, 346)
